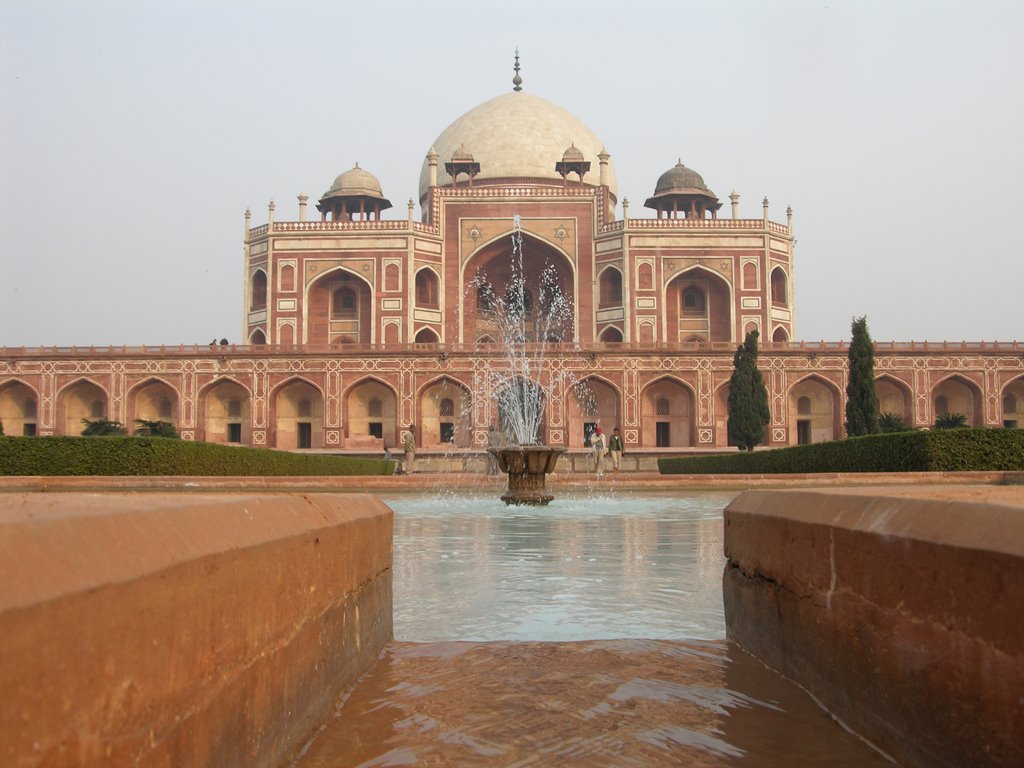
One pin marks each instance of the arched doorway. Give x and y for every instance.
(371, 419)
(957, 395)
(894, 397)
(699, 306)
(19, 409)
(722, 417)
(339, 306)
(549, 296)
(298, 416)
(592, 403)
(152, 400)
(80, 400)
(225, 412)
(446, 415)
(814, 412)
(666, 415)
(1012, 403)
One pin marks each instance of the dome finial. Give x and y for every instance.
(517, 81)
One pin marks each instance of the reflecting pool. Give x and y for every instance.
(600, 640)
(583, 568)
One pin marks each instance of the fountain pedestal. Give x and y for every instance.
(527, 466)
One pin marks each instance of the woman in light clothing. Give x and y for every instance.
(597, 443)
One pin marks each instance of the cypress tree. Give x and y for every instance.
(748, 398)
(861, 400)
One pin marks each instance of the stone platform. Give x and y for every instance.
(900, 608)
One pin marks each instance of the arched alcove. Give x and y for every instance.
(958, 395)
(445, 411)
(814, 412)
(82, 399)
(152, 400)
(698, 304)
(339, 305)
(259, 290)
(224, 412)
(19, 409)
(610, 287)
(298, 415)
(666, 415)
(371, 416)
(548, 281)
(592, 403)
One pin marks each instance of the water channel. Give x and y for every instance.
(589, 632)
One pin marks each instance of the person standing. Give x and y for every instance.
(615, 449)
(597, 443)
(493, 441)
(409, 445)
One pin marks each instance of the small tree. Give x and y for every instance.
(147, 428)
(748, 398)
(892, 422)
(948, 420)
(102, 428)
(861, 400)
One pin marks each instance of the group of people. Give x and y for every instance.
(614, 449)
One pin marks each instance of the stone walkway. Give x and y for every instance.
(595, 703)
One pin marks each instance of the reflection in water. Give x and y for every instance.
(595, 703)
(579, 569)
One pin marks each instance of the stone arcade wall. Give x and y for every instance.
(183, 630)
(902, 610)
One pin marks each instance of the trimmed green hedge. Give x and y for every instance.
(940, 450)
(168, 456)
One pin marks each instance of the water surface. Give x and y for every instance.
(582, 568)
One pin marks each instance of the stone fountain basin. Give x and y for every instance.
(526, 467)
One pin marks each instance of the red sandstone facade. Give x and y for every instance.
(357, 326)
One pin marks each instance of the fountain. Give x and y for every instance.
(526, 325)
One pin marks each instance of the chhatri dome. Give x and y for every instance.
(517, 135)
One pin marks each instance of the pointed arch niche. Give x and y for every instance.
(19, 408)
(895, 397)
(224, 412)
(492, 266)
(699, 305)
(298, 415)
(83, 399)
(593, 403)
(814, 412)
(371, 416)
(152, 400)
(339, 307)
(445, 410)
(666, 415)
(957, 395)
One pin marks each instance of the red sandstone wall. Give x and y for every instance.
(183, 630)
(901, 610)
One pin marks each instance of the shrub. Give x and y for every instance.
(167, 456)
(912, 451)
(892, 422)
(946, 420)
(102, 428)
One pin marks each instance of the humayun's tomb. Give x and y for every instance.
(357, 324)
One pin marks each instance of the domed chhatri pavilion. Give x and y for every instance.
(356, 325)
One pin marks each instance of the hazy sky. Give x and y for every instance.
(133, 135)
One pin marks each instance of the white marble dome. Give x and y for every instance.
(517, 135)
